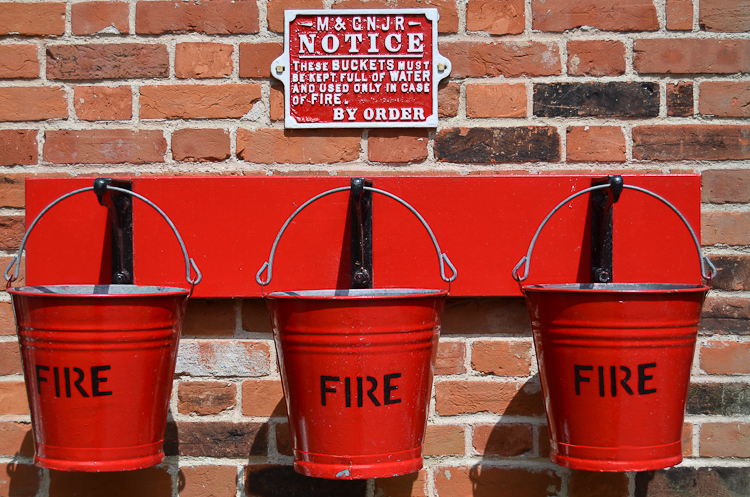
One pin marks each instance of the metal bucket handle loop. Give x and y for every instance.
(526, 260)
(442, 257)
(188, 260)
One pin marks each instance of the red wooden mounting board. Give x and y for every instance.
(483, 223)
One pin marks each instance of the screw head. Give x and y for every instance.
(441, 67)
(279, 69)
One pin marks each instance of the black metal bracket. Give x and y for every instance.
(602, 202)
(120, 208)
(360, 205)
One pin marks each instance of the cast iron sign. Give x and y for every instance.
(360, 68)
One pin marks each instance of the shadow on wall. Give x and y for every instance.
(22, 479)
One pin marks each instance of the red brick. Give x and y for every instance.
(680, 99)
(202, 145)
(32, 103)
(596, 58)
(691, 142)
(473, 59)
(7, 318)
(496, 17)
(725, 357)
(725, 439)
(18, 147)
(276, 8)
(725, 15)
(594, 484)
(466, 481)
(208, 481)
(410, 485)
(205, 397)
(731, 228)
(107, 61)
(216, 439)
(544, 443)
(624, 15)
(450, 358)
(263, 398)
(199, 358)
(486, 317)
(32, 19)
(725, 98)
(595, 144)
(398, 146)
(203, 60)
(154, 482)
(266, 146)
(448, 22)
(10, 358)
(12, 229)
(509, 398)
(726, 186)
(680, 15)
(284, 439)
(448, 98)
(13, 398)
(102, 103)
(256, 58)
(503, 440)
(21, 281)
(198, 101)
(277, 103)
(88, 18)
(19, 61)
(217, 17)
(727, 309)
(19, 480)
(104, 146)
(444, 440)
(691, 56)
(497, 144)
(495, 100)
(16, 439)
(255, 316)
(733, 272)
(502, 358)
(687, 440)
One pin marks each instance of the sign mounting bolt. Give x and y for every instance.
(441, 67)
(279, 69)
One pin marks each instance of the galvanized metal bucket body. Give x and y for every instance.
(614, 362)
(357, 369)
(98, 362)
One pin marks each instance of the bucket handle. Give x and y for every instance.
(442, 257)
(526, 260)
(188, 260)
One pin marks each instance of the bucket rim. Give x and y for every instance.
(357, 293)
(650, 288)
(97, 291)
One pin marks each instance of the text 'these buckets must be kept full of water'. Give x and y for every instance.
(614, 361)
(357, 368)
(98, 363)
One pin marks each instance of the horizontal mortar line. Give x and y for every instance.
(471, 419)
(718, 418)
(535, 463)
(714, 462)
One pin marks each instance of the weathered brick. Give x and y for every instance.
(725, 99)
(463, 481)
(448, 98)
(496, 17)
(691, 142)
(88, 18)
(217, 17)
(726, 186)
(693, 482)
(155, 482)
(512, 144)
(13, 398)
(276, 8)
(266, 146)
(731, 228)
(495, 100)
(277, 103)
(473, 59)
(32, 19)
(680, 15)
(544, 442)
(733, 272)
(12, 229)
(486, 317)
(16, 439)
(410, 485)
(593, 483)
(10, 359)
(208, 481)
(205, 145)
(18, 147)
(266, 480)
(32, 103)
(102, 103)
(19, 480)
(107, 61)
(595, 144)
(205, 397)
(19, 61)
(726, 315)
(596, 58)
(624, 15)
(719, 399)
(502, 358)
(104, 146)
(725, 357)
(284, 440)
(7, 318)
(198, 101)
(216, 439)
(255, 316)
(725, 15)
(691, 56)
(256, 58)
(687, 440)
(680, 99)
(263, 398)
(444, 440)
(446, 8)
(615, 99)
(223, 358)
(725, 439)
(399, 146)
(8, 322)
(509, 398)
(203, 60)
(450, 358)
(503, 440)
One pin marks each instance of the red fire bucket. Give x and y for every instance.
(98, 363)
(357, 368)
(614, 361)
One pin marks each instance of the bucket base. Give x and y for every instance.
(617, 459)
(358, 467)
(98, 460)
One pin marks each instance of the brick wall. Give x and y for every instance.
(550, 86)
